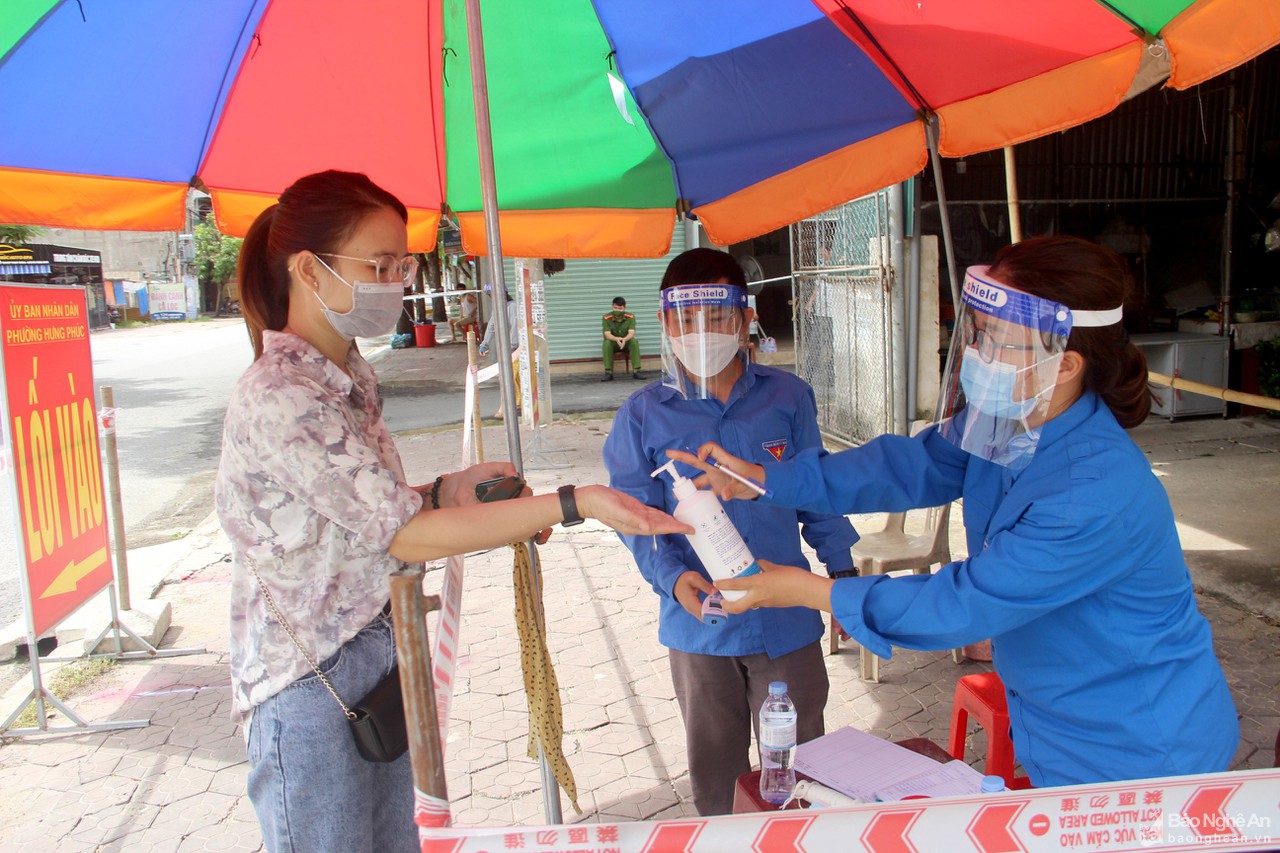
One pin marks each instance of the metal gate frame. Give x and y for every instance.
(850, 315)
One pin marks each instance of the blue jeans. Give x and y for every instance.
(310, 788)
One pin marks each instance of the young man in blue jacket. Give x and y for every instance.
(711, 392)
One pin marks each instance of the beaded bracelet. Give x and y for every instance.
(435, 492)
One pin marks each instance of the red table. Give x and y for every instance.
(746, 791)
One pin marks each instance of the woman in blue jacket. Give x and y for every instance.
(1075, 567)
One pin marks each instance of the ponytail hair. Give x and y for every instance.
(1086, 277)
(317, 213)
(264, 289)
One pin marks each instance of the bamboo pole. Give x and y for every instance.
(1011, 191)
(1179, 384)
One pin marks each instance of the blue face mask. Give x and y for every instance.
(989, 387)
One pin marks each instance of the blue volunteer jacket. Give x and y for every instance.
(1077, 574)
(770, 414)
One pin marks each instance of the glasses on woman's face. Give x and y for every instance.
(387, 268)
(989, 348)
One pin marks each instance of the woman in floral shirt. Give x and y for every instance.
(312, 494)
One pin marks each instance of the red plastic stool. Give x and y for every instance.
(982, 695)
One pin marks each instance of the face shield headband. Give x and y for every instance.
(1003, 367)
(702, 332)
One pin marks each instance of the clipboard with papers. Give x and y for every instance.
(872, 769)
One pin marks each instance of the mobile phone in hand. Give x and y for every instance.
(499, 489)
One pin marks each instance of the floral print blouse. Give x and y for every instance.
(310, 489)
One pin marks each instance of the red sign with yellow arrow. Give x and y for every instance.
(52, 437)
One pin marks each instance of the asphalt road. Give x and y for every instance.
(171, 385)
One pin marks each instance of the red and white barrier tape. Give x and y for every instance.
(1221, 811)
(429, 811)
(444, 654)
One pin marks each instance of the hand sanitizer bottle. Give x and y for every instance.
(714, 539)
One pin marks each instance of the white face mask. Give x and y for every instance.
(375, 308)
(705, 354)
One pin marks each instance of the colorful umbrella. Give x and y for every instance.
(608, 119)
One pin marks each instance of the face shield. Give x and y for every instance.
(1003, 367)
(703, 330)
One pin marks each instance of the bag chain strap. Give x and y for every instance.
(275, 611)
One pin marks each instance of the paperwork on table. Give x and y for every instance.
(870, 768)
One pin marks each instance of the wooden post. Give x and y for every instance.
(1011, 190)
(409, 609)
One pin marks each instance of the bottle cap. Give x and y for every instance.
(777, 688)
(992, 784)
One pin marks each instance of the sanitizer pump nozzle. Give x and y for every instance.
(715, 540)
(683, 487)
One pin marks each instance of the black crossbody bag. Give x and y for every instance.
(377, 721)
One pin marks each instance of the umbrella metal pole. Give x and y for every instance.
(898, 309)
(409, 609)
(493, 238)
(931, 136)
(1229, 216)
(489, 195)
(913, 307)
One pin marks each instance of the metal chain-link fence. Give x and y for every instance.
(843, 316)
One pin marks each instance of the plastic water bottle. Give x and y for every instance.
(777, 745)
(993, 784)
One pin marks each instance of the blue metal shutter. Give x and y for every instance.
(580, 296)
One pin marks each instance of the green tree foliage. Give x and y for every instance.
(216, 254)
(17, 235)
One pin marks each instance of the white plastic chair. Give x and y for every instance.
(893, 550)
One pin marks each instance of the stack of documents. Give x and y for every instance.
(873, 769)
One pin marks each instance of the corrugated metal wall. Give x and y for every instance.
(1150, 180)
(1162, 145)
(580, 296)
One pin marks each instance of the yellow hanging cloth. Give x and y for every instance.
(542, 691)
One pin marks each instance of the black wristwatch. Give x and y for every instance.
(844, 573)
(569, 507)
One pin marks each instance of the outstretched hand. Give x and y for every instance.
(778, 586)
(625, 514)
(725, 486)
